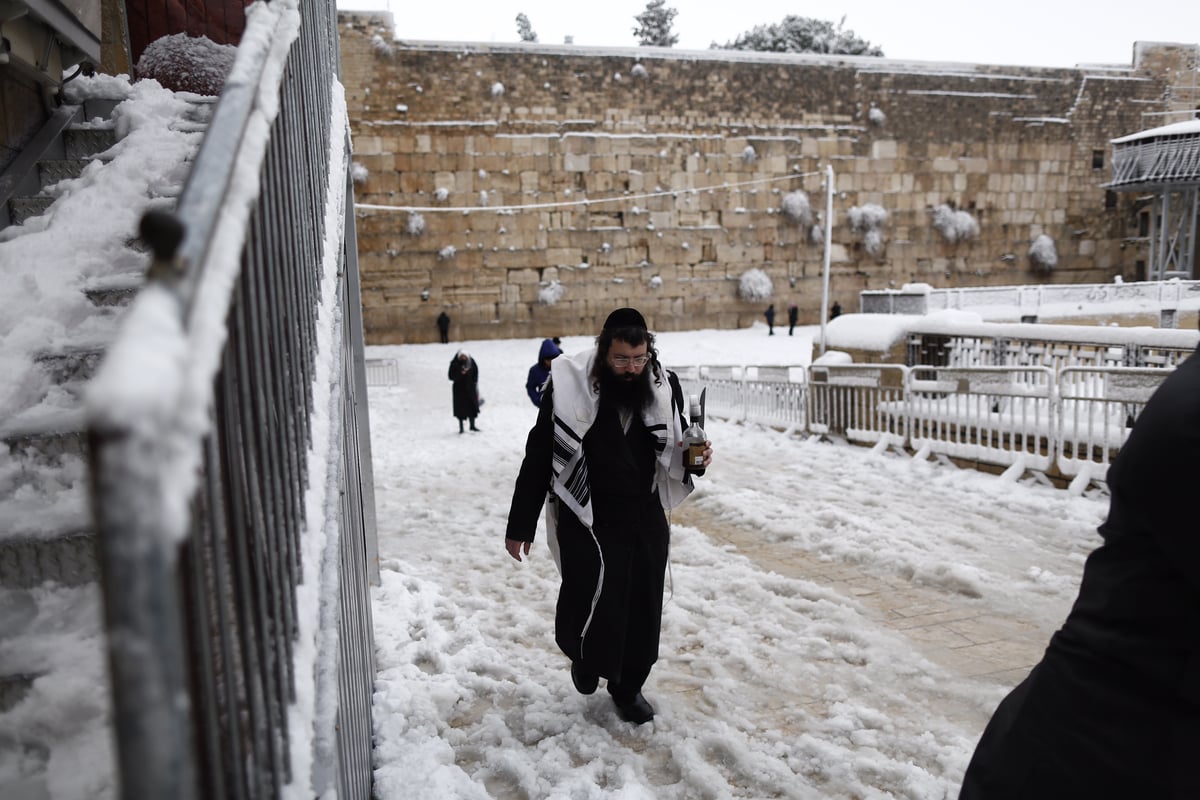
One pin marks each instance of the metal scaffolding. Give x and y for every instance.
(1164, 162)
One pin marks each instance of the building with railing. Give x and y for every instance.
(1165, 162)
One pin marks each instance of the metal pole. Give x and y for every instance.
(828, 246)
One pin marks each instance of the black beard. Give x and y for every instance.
(633, 394)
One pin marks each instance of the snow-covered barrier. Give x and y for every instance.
(1068, 423)
(230, 452)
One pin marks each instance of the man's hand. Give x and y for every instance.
(707, 453)
(515, 547)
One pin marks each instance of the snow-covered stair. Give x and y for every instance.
(74, 252)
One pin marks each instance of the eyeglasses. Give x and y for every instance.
(625, 361)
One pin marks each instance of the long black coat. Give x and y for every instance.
(631, 534)
(1113, 709)
(466, 388)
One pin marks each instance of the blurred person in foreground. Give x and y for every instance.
(539, 373)
(607, 448)
(1113, 708)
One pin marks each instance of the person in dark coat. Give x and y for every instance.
(1112, 711)
(443, 323)
(540, 372)
(464, 372)
(836, 311)
(793, 315)
(770, 315)
(608, 445)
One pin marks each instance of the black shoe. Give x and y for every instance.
(634, 709)
(475, 429)
(584, 683)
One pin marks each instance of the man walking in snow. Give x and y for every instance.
(1112, 711)
(607, 446)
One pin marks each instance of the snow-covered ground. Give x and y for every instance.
(769, 683)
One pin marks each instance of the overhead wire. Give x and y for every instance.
(583, 202)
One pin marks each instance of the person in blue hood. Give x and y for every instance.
(540, 372)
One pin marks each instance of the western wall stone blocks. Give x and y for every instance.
(699, 109)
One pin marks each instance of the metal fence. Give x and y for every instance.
(383, 372)
(1068, 422)
(202, 467)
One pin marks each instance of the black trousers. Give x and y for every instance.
(616, 634)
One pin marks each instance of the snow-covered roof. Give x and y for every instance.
(1185, 128)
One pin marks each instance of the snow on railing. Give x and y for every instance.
(1069, 421)
(1031, 300)
(230, 456)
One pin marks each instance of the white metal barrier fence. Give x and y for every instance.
(383, 372)
(996, 415)
(1097, 408)
(1025, 418)
(858, 402)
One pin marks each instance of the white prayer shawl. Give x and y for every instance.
(575, 408)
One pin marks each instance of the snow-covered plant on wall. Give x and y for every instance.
(416, 224)
(749, 155)
(816, 234)
(1042, 253)
(755, 285)
(656, 282)
(483, 197)
(876, 116)
(441, 193)
(868, 220)
(551, 293)
(497, 89)
(358, 173)
(796, 208)
(639, 71)
(381, 46)
(447, 253)
(954, 225)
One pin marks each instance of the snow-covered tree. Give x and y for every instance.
(795, 207)
(869, 220)
(803, 35)
(954, 225)
(381, 46)
(1043, 254)
(755, 285)
(654, 25)
(524, 29)
(416, 224)
(551, 293)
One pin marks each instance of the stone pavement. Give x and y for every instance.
(970, 642)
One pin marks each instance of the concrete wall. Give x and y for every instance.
(685, 159)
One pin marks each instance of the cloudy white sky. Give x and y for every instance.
(1056, 33)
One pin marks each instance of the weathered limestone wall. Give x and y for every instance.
(684, 160)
